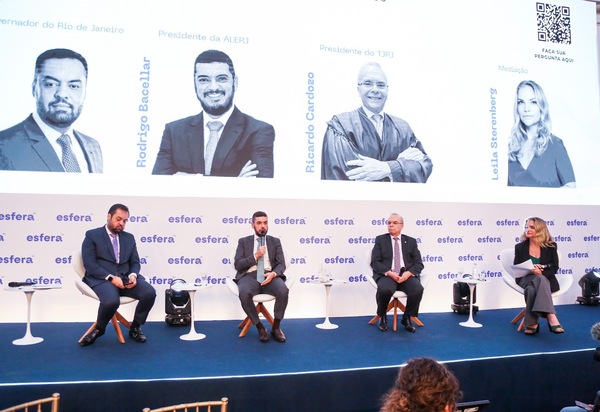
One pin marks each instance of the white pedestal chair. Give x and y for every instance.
(259, 300)
(507, 257)
(396, 304)
(83, 287)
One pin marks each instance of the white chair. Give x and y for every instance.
(83, 287)
(395, 303)
(260, 301)
(507, 257)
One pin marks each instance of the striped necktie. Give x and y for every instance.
(69, 160)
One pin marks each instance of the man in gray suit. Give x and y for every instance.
(46, 140)
(260, 264)
(221, 140)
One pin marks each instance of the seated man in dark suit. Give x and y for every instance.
(221, 140)
(260, 264)
(46, 140)
(112, 270)
(397, 264)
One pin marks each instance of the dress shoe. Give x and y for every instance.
(137, 335)
(383, 325)
(91, 337)
(263, 336)
(408, 326)
(278, 335)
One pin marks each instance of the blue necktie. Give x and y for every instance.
(260, 265)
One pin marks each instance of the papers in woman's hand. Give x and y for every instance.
(522, 269)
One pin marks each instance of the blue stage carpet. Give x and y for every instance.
(346, 369)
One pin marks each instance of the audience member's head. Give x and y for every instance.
(423, 385)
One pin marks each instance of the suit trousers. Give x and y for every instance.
(538, 297)
(110, 295)
(387, 286)
(249, 287)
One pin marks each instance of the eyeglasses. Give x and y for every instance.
(394, 222)
(369, 84)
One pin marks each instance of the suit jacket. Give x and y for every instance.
(244, 255)
(99, 259)
(548, 256)
(243, 138)
(382, 255)
(24, 147)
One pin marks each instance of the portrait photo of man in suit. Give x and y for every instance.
(221, 140)
(46, 140)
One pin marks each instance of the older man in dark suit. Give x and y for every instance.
(46, 141)
(260, 264)
(112, 270)
(397, 264)
(221, 140)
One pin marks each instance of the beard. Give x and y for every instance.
(58, 118)
(217, 109)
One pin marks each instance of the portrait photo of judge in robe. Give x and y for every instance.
(370, 144)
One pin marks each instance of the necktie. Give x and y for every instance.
(69, 160)
(260, 265)
(397, 263)
(115, 245)
(213, 139)
(378, 119)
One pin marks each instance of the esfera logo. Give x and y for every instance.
(157, 239)
(184, 260)
(138, 219)
(508, 222)
(336, 221)
(210, 239)
(236, 220)
(18, 217)
(16, 260)
(336, 260)
(42, 237)
(289, 221)
(313, 240)
(429, 222)
(73, 217)
(185, 219)
(470, 258)
(45, 280)
(469, 222)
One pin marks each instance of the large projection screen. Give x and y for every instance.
(452, 71)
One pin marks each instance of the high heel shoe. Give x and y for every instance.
(532, 330)
(556, 328)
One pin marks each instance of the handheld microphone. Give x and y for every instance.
(262, 237)
(19, 284)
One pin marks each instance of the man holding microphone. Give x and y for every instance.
(260, 264)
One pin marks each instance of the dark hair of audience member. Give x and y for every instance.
(423, 385)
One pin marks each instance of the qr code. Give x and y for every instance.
(553, 23)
